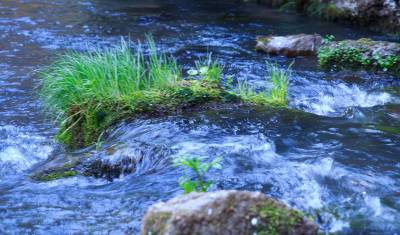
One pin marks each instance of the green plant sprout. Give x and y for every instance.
(200, 168)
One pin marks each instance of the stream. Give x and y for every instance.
(335, 155)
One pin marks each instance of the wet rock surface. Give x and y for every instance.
(292, 45)
(358, 54)
(57, 168)
(224, 212)
(380, 15)
(133, 158)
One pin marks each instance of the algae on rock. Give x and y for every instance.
(225, 212)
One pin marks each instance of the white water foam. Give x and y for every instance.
(333, 100)
(20, 149)
(256, 146)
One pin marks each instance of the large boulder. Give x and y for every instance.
(292, 45)
(224, 212)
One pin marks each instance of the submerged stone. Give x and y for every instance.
(116, 161)
(225, 212)
(292, 45)
(55, 173)
(60, 167)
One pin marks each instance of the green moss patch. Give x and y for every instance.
(327, 11)
(92, 91)
(54, 175)
(273, 219)
(360, 54)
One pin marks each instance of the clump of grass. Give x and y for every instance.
(199, 168)
(208, 69)
(276, 96)
(91, 91)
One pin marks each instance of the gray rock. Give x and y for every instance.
(292, 45)
(224, 212)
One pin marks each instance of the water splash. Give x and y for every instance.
(334, 100)
(20, 149)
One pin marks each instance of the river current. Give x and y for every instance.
(335, 156)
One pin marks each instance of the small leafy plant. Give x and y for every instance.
(328, 38)
(209, 70)
(200, 168)
(343, 56)
(347, 55)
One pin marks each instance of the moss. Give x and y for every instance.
(326, 10)
(357, 55)
(277, 219)
(55, 175)
(156, 224)
(263, 40)
(88, 123)
(395, 130)
(333, 13)
(57, 172)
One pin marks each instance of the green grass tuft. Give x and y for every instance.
(91, 91)
(277, 96)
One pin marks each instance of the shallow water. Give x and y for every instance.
(336, 157)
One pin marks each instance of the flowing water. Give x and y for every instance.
(335, 156)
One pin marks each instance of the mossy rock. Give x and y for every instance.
(54, 174)
(225, 212)
(359, 54)
(273, 218)
(57, 168)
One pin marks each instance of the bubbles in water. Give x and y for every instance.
(333, 100)
(20, 149)
(257, 146)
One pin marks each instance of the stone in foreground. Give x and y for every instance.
(224, 212)
(292, 45)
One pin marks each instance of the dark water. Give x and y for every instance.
(336, 158)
